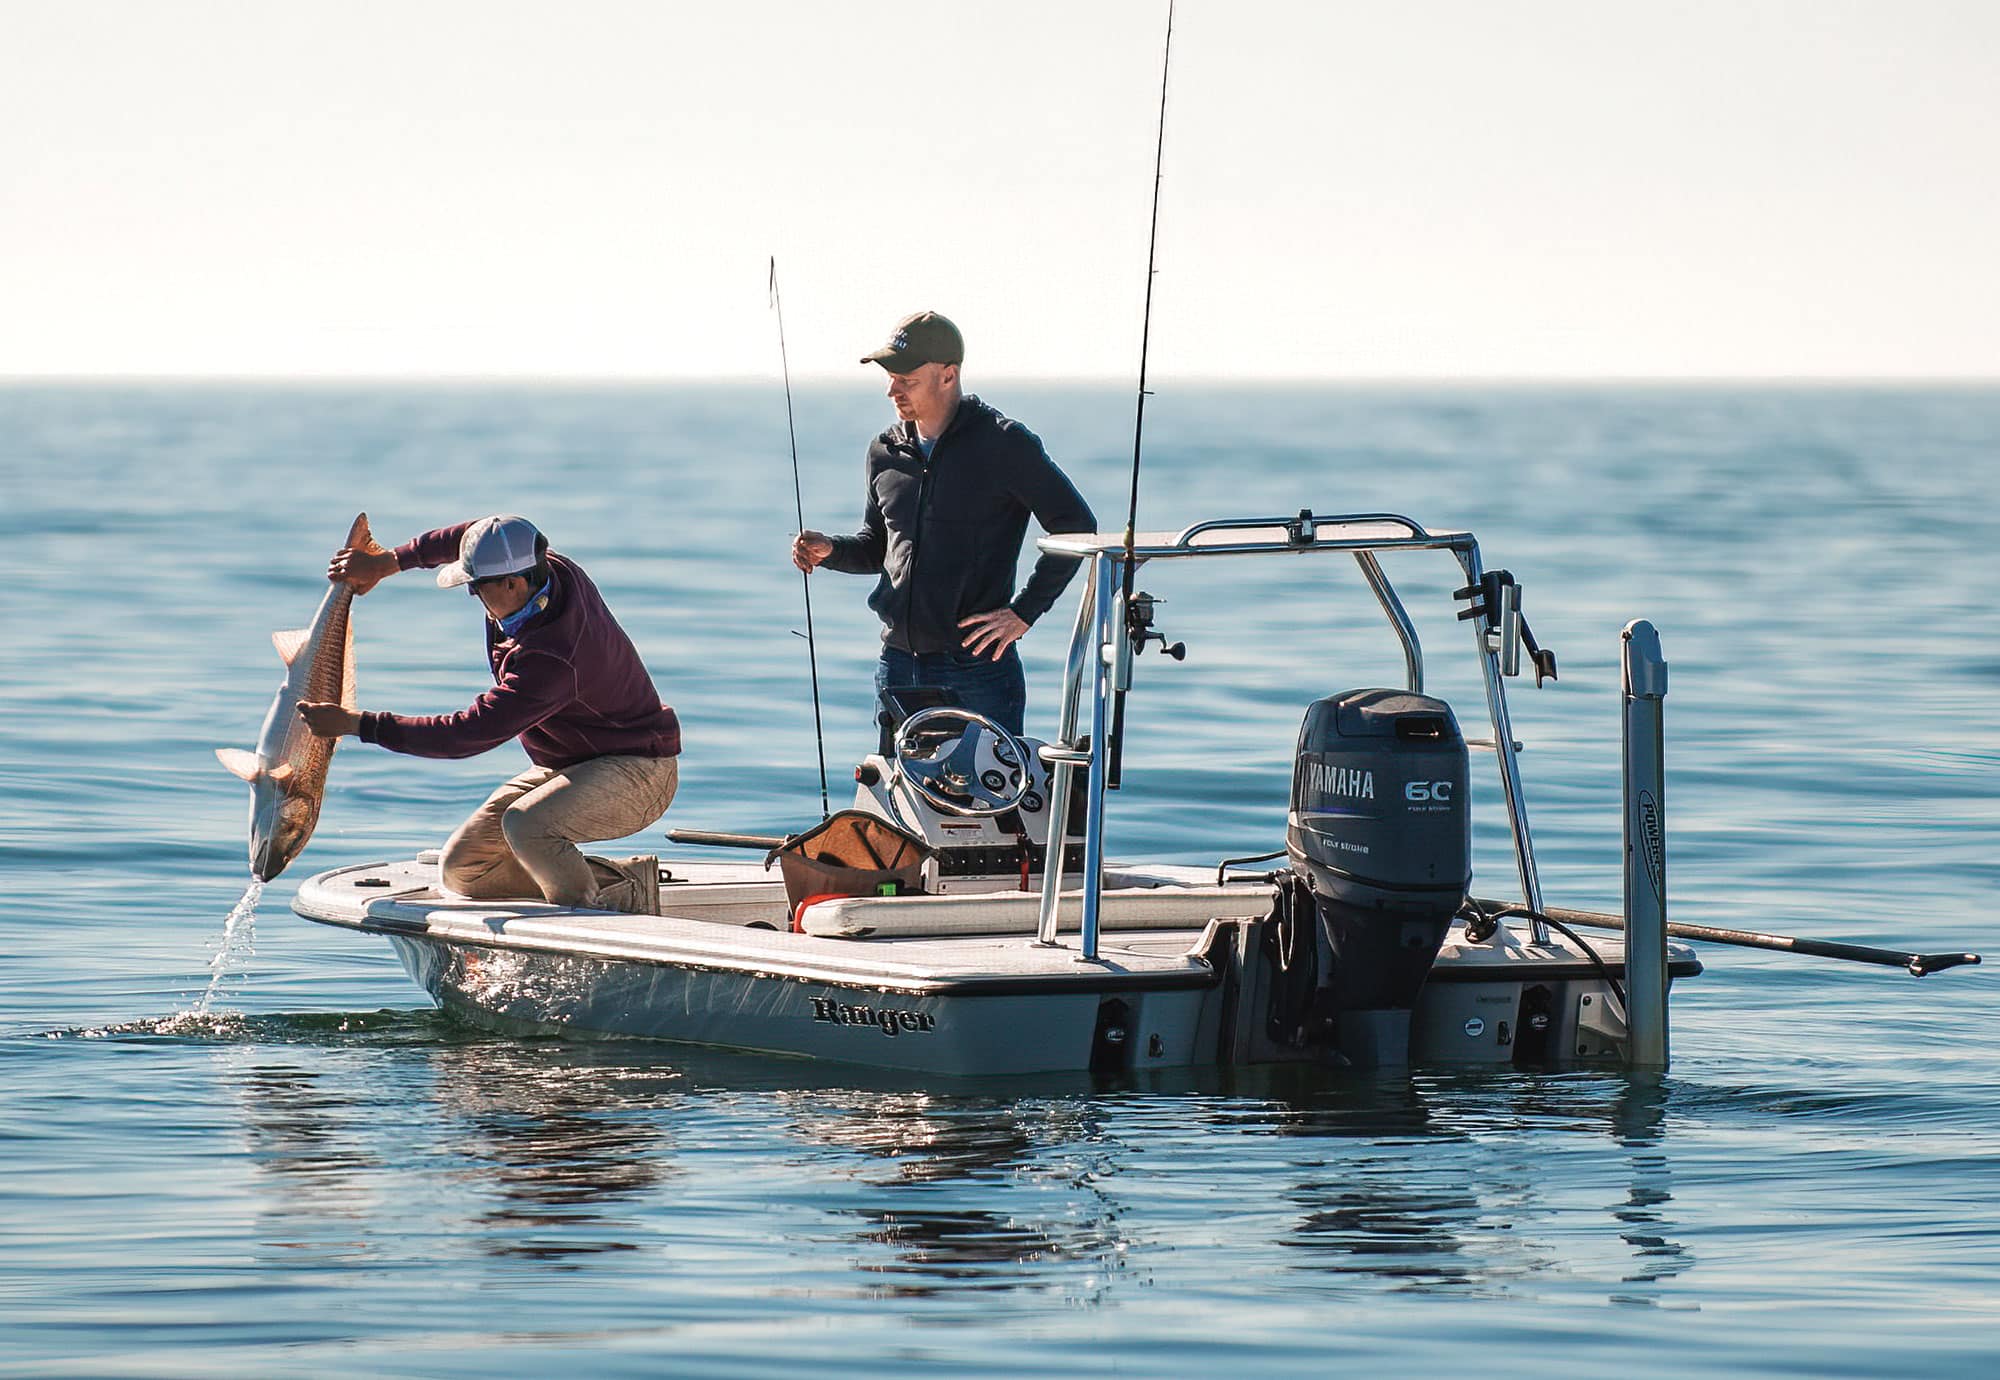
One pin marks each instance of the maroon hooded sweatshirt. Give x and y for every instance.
(569, 684)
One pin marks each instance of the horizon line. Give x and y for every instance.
(1093, 381)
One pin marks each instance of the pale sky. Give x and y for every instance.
(1522, 189)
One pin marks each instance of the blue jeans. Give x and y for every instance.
(996, 689)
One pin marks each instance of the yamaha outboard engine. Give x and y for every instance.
(1380, 831)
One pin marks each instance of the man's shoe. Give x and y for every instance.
(644, 871)
(630, 885)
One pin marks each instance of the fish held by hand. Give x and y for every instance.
(287, 770)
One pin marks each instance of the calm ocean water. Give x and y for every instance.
(324, 1176)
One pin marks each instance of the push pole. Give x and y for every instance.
(1643, 682)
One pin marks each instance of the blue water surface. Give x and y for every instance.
(322, 1175)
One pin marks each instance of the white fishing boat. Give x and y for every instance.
(931, 928)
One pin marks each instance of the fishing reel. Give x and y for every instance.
(1497, 600)
(947, 769)
(1139, 627)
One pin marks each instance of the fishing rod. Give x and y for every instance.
(1115, 760)
(1915, 964)
(799, 504)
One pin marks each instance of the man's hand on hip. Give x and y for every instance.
(992, 632)
(809, 548)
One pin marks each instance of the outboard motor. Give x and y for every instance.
(1380, 831)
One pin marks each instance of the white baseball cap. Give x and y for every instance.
(499, 545)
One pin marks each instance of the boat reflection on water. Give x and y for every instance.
(919, 1137)
(558, 1153)
(1472, 1185)
(1373, 1209)
(920, 1162)
(304, 1135)
(558, 1140)
(562, 1142)
(1640, 1122)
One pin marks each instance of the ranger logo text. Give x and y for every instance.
(885, 1019)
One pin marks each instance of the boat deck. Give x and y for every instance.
(728, 917)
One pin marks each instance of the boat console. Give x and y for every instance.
(978, 796)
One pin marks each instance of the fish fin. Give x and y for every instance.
(281, 773)
(290, 643)
(239, 762)
(360, 538)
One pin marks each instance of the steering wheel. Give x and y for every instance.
(946, 774)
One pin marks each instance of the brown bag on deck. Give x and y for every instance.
(851, 853)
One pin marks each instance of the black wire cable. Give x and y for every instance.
(1494, 917)
(1227, 863)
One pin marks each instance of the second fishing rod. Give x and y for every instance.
(1114, 763)
(799, 506)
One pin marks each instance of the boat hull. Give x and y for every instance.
(942, 1032)
(957, 1006)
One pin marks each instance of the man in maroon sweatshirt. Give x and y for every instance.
(569, 684)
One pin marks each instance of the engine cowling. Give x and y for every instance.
(1380, 829)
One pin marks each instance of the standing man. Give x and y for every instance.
(569, 684)
(950, 489)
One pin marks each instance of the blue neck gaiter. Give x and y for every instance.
(537, 601)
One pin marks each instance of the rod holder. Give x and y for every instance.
(1643, 693)
(1507, 628)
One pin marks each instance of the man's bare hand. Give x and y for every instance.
(360, 570)
(809, 548)
(993, 632)
(329, 720)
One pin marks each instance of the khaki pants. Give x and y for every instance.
(523, 841)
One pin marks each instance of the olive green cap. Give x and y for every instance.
(925, 338)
